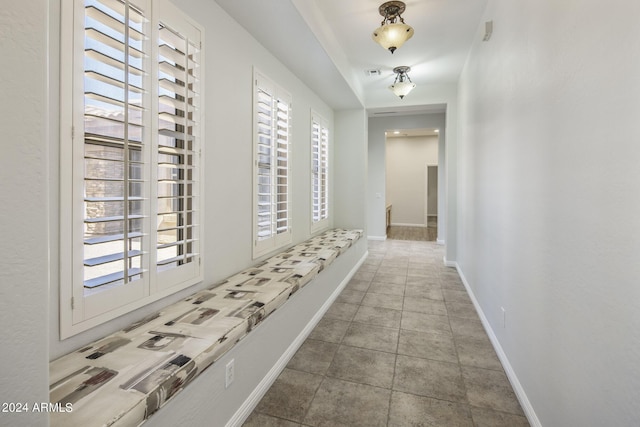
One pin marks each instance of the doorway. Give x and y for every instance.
(431, 196)
(412, 184)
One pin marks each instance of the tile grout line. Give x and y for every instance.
(395, 359)
(467, 404)
(399, 252)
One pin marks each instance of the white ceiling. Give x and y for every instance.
(404, 133)
(328, 45)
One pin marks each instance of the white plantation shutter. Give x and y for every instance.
(272, 122)
(319, 172)
(264, 163)
(282, 166)
(131, 173)
(178, 156)
(113, 143)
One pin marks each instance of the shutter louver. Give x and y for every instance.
(324, 174)
(272, 123)
(315, 170)
(113, 143)
(130, 166)
(265, 164)
(282, 170)
(319, 171)
(177, 155)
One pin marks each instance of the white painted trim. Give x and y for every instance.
(426, 190)
(513, 378)
(324, 223)
(400, 224)
(80, 312)
(276, 241)
(381, 238)
(256, 395)
(449, 263)
(440, 241)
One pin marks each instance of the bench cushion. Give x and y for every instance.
(124, 378)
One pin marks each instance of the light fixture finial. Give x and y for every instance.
(392, 34)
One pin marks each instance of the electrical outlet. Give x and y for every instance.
(229, 373)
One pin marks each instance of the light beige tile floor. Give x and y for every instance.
(401, 346)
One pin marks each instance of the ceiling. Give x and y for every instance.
(328, 45)
(408, 133)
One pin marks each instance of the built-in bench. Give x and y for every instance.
(124, 378)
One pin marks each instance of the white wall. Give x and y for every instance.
(548, 203)
(24, 227)
(349, 160)
(29, 217)
(407, 158)
(228, 187)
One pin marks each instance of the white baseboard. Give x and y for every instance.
(513, 378)
(400, 224)
(440, 242)
(381, 238)
(449, 263)
(261, 389)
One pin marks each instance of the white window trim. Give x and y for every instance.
(323, 223)
(278, 240)
(73, 304)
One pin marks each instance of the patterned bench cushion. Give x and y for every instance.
(125, 377)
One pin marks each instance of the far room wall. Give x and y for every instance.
(407, 160)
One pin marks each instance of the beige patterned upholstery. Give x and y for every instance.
(124, 378)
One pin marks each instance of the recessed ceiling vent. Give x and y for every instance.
(374, 72)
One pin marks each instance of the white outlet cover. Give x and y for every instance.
(229, 373)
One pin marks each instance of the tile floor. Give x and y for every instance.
(429, 233)
(401, 346)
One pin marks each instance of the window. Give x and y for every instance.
(130, 172)
(319, 173)
(272, 201)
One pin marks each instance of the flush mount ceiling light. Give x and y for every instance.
(403, 84)
(391, 34)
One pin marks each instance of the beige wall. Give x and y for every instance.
(407, 158)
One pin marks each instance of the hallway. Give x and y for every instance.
(424, 234)
(401, 346)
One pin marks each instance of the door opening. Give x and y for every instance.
(431, 196)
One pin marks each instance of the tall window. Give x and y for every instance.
(130, 172)
(319, 173)
(272, 201)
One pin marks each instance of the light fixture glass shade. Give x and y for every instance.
(402, 88)
(392, 36)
